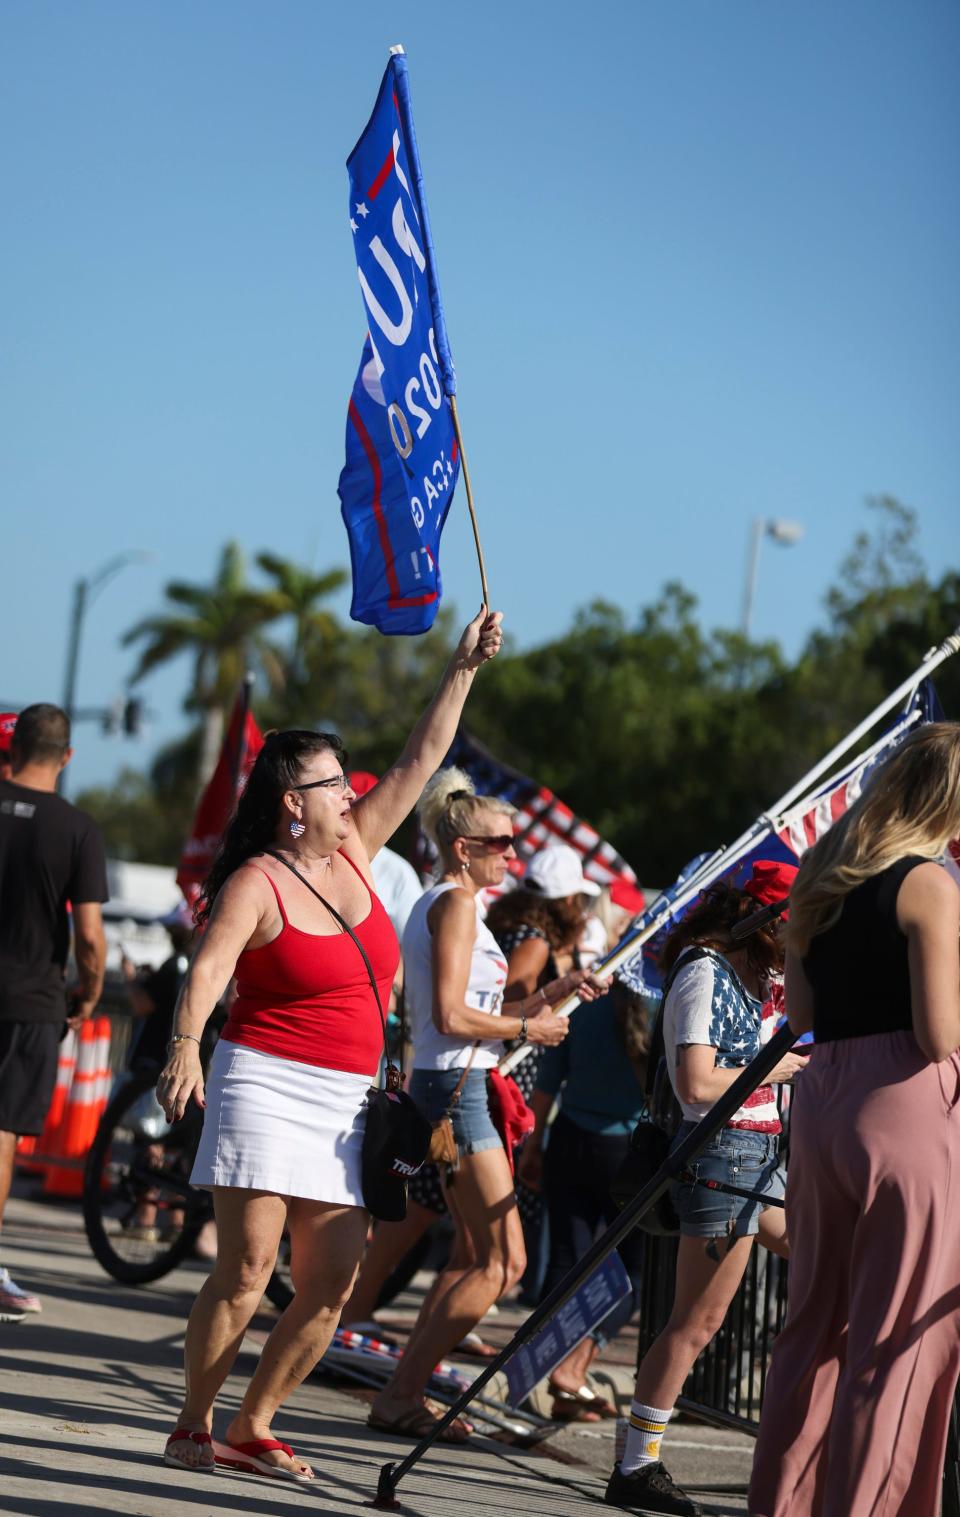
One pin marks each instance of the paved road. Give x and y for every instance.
(88, 1391)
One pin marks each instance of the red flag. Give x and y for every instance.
(240, 748)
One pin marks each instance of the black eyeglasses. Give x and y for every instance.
(336, 782)
(498, 844)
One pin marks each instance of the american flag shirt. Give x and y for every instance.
(706, 1004)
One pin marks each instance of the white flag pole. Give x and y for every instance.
(933, 660)
(724, 861)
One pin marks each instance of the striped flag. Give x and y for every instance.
(809, 821)
(790, 835)
(541, 816)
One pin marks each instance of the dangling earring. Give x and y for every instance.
(297, 828)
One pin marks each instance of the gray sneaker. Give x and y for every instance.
(651, 1490)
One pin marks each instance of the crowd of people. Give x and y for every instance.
(293, 916)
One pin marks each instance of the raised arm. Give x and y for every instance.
(928, 911)
(378, 814)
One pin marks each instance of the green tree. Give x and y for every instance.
(220, 626)
(667, 737)
(140, 820)
(297, 591)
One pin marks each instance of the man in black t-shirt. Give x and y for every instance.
(51, 855)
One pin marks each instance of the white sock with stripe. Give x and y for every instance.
(645, 1430)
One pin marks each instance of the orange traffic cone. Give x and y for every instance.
(102, 1089)
(47, 1141)
(75, 1133)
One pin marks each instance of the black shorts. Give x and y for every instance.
(29, 1052)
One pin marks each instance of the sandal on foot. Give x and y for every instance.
(182, 1435)
(474, 1345)
(582, 1405)
(244, 1457)
(419, 1422)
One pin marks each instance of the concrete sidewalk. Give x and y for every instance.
(89, 1390)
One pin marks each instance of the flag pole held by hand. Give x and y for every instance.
(473, 515)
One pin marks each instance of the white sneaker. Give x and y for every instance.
(15, 1302)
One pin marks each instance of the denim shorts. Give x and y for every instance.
(735, 1156)
(473, 1126)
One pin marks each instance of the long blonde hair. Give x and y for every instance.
(910, 806)
(449, 806)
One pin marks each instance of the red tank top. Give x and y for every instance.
(308, 997)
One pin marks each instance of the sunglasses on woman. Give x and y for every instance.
(498, 844)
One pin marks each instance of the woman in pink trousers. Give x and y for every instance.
(862, 1378)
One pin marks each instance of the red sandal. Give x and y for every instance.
(243, 1458)
(182, 1435)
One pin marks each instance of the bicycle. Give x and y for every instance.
(141, 1214)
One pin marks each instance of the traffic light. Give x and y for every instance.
(111, 718)
(133, 714)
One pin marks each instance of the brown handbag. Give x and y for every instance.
(443, 1145)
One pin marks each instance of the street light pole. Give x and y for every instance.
(786, 533)
(84, 593)
(80, 590)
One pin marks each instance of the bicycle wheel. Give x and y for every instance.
(140, 1212)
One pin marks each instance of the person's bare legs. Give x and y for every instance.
(249, 1227)
(571, 1373)
(391, 1241)
(709, 1272)
(772, 1232)
(484, 1208)
(326, 1242)
(462, 1257)
(8, 1148)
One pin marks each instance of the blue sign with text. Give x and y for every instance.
(589, 1304)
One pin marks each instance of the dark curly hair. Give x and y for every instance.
(561, 921)
(251, 829)
(711, 923)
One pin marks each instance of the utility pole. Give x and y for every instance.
(84, 593)
(786, 533)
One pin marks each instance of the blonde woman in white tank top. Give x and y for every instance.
(454, 978)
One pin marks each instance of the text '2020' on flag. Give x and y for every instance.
(402, 459)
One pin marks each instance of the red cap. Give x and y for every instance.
(361, 782)
(770, 881)
(8, 720)
(628, 896)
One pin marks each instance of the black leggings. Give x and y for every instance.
(578, 1167)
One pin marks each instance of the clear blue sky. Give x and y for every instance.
(699, 262)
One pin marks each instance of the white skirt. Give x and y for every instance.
(277, 1125)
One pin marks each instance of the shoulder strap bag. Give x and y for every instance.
(400, 1131)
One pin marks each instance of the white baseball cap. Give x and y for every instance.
(556, 871)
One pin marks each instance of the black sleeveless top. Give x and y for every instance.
(858, 968)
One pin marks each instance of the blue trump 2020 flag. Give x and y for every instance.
(402, 457)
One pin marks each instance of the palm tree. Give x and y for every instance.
(298, 590)
(219, 625)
